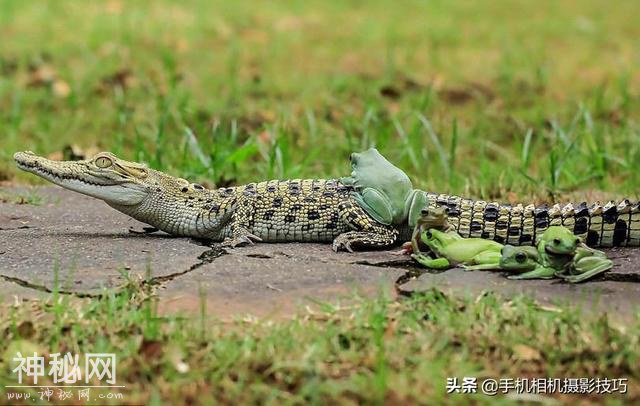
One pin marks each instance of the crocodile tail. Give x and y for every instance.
(614, 224)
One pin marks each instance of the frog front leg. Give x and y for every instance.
(348, 181)
(540, 272)
(437, 263)
(416, 201)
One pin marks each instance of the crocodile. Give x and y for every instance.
(310, 210)
(301, 210)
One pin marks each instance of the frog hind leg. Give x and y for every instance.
(437, 263)
(375, 204)
(484, 260)
(588, 269)
(481, 267)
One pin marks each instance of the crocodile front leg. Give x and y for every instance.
(367, 232)
(241, 222)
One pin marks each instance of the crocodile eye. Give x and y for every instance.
(103, 162)
(521, 257)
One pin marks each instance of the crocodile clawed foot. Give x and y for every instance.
(342, 243)
(245, 238)
(145, 230)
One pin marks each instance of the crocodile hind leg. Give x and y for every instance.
(367, 233)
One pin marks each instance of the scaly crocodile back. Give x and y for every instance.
(598, 226)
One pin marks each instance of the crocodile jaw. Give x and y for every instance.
(81, 177)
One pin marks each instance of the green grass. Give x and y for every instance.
(28, 196)
(503, 100)
(371, 351)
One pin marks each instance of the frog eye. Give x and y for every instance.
(429, 234)
(557, 241)
(521, 257)
(103, 162)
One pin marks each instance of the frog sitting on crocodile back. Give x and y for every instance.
(383, 190)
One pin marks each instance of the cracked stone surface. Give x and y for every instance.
(10, 292)
(89, 244)
(268, 279)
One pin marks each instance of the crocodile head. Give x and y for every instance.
(104, 176)
(168, 203)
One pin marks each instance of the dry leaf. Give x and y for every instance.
(513, 198)
(222, 28)
(26, 329)
(123, 78)
(75, 153)
(255, 36)
(41, 75)
(264, 137)
(456, 95)
(525, 353)
(394, 108)
(267, 115)
(61, 88)
(151, 349)
(56, 156)
(289, 23)
(113, 7)
(182, 45)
